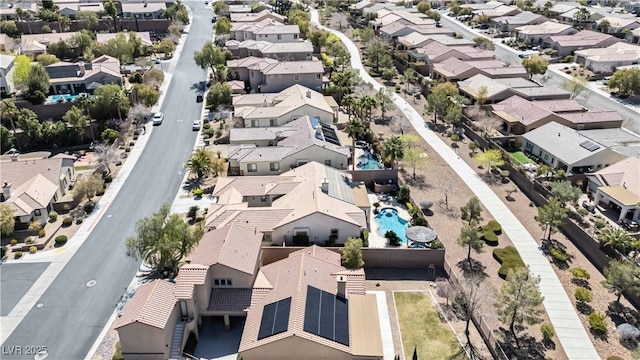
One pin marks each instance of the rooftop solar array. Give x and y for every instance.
(589, 145)
(329, 134)
(275, 318)
(327, 315)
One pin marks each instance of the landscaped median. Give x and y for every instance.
(421, 329)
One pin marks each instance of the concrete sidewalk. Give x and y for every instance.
(571, 334)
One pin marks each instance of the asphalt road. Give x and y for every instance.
(72, 315)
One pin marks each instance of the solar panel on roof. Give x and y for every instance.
(589, 145)
(275, 318)
(327, 315)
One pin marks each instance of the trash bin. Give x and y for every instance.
(207, 142)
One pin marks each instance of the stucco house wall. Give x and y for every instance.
(597, 160)
(294, 347)
(277, 83)
(319, 228)
(312, 111)
(144, 342)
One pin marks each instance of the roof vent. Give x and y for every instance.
(325, 185)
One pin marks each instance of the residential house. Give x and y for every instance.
(536, 34)
(520, 115)
(500, 11)
(510, 23)
(569, 17)
(237, 87)
(70, 9)
(357, 8)
(7, 43)
(399, 29)
(36, 44)
(315, 309)
(80, 77)
(278, 109)
(274, 33)
(564, 148)
(143, 10)
(617, 188)
(585, 39)
(417, 40)
(562, 7)
(454, 69)
(436, 52)
(8, 9)
(256, 17)
(270, 75)
(632, 7)
(239, 9)
(618, 25)
(500, 89)
(386, 17)
(606, 60)
(6, 74)
(619, 140)
(219, 279)
(143, 36)
(31, 186)
(273, 150)
(293, 51)
(313, 202)
(633, 36)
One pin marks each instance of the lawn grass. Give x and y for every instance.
(521, 158)
(83, 167)
(422, 329)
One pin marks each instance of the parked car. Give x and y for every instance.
(523, 55)
(196, 125)
(157, 118)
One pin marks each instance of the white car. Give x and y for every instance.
(196, 125)
(157, 118)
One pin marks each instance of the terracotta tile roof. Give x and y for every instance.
(18, 172)
(546, 28)
(520, 110)
(259, 219)
(295, 67)
(188, 276)
(233, 246)
(584, 38)
(151, 305)
(35, 193)
(559, 106)
(290, 278)
(625, 173)
(229, 299)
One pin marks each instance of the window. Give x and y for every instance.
(222, 282)
(318, 76)
(274, 166)
(279, 37)
(263, 198)
(295, 36)
(252, 167)
(334, 233)
(327, 162)
(267, 237)
(273, 122)
(546, 157)
(296, 77)
(580, 127)
(37, 212)
(529, 146)
(252, 74)
(255, 123)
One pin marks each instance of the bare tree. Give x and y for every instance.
(468, 302)
(139, 114)
(105, 155)
(446, 188)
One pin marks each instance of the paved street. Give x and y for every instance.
(71, 313)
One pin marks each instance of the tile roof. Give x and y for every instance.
(535, 92)
(143, 7)
(251, 17)
(230, 299)
(294, 47)
(35, 193)
(524, 18)
(257, 106)
(278, 29)
(593, 116)
(581, 38)
(453, 67)
(151, 305)
(295, 67)
(546, 28)
(235, 247)
(617, 22)
(619, 140)
(252, 62)
(625, 173)
(189, 276)
(617, 52)
(19, 172)
(520, 110)
(290, 278)
(261, 219)
(560, 106)
(46, 38)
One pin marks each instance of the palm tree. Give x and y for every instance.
(617, 238)
(367, 104)
(200, 162)
(348, 101)
(24, 16)
(581, 16)
(84, 101)
(604, 25)
(118, 100)
(393, 149)
(547, 8)
(354, 127)
(9, 110)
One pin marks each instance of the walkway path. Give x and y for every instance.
(569, 329)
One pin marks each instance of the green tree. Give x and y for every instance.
(484, 43)
(625, 81)
(37, 84)
(9, 27)
(84, 102)
(472, 211)
(617, 238)
(352, 254)
(109, 136)
(24, 16)
(375, 53)
(354, 128)
(439, 100)
(46, 29)
(393, 149)
(415, 158)
(535, 65)
(365, 35)
(551, 216)
(343, 82)
(222, 26)
(9, 113)
(220, 8)
(7, 219)
(384, 100)
(318, 38)
(519, 300)
(471, 237)
(119, 47)
(165, 46)
(348, 102)
(47, 59)
(489, 159)
(87, 187)
(21, 70)
(30, 126)
(210, 56)
(162, 240)
(576, 86)
(423, 7)
(109, 102)
(200, 162)
(112, 11)
(604, 25)
(581, 16)
(87, 19)
(6, 139)
(367, 104)
(77, 122)
(145, 94)
(301, 18)
(620, 276)
(434, 15)
(219, 95)
(565, 192)
(153, 77)
(409, 77)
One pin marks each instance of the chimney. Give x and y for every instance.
(14, 157)
(342, 286)
(265, 103)
(309, 93)
(325, 186)
(6, 191)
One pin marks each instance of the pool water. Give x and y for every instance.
(56, 98)
(367, 161)
(388, 219)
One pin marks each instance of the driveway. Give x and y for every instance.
(215, 342)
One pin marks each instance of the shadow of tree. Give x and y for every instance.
(192, 183)
(581, 282)
(527, 346)
(584, 308)
(600, 335)
(473, 268)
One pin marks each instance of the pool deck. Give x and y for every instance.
(360, 153)
(376, 240)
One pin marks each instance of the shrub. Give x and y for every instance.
(580, 273)
(53, 216)
(559, 255)
(509, 258)
(88, 207)
(398, 88)
(135, 137)
(131, 143)
(29, 240)
(100, 192)
(394, 239)
(614, 358)
(199, 219)
(583, 294)
(419, 221)
(547, 331)
(455, 137)
(119, 162)
(490, 238)
(136, 132)
(107, 178)
(42, 233)
(597, 322)
(494, 226)
(67, 221)
(206, 125)
(301, 240)
(376, 204)
(33, 249)
(14, 242)
(364, 235)
(18, 254)
(61, 239)
(193, 212)
(599, 224)
(198, 192)
(437, 245)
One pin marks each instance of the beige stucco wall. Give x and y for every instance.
(294, 347)
(240, 279)
(319, 226)
(314, 153)
(303, 110)
(144, 342)
(277, 83)
(277, 38)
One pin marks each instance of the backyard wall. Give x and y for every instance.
(159, 26)
(371, 176)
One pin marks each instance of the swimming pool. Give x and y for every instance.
(388, 219)
(367, 161)
(57, 98)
